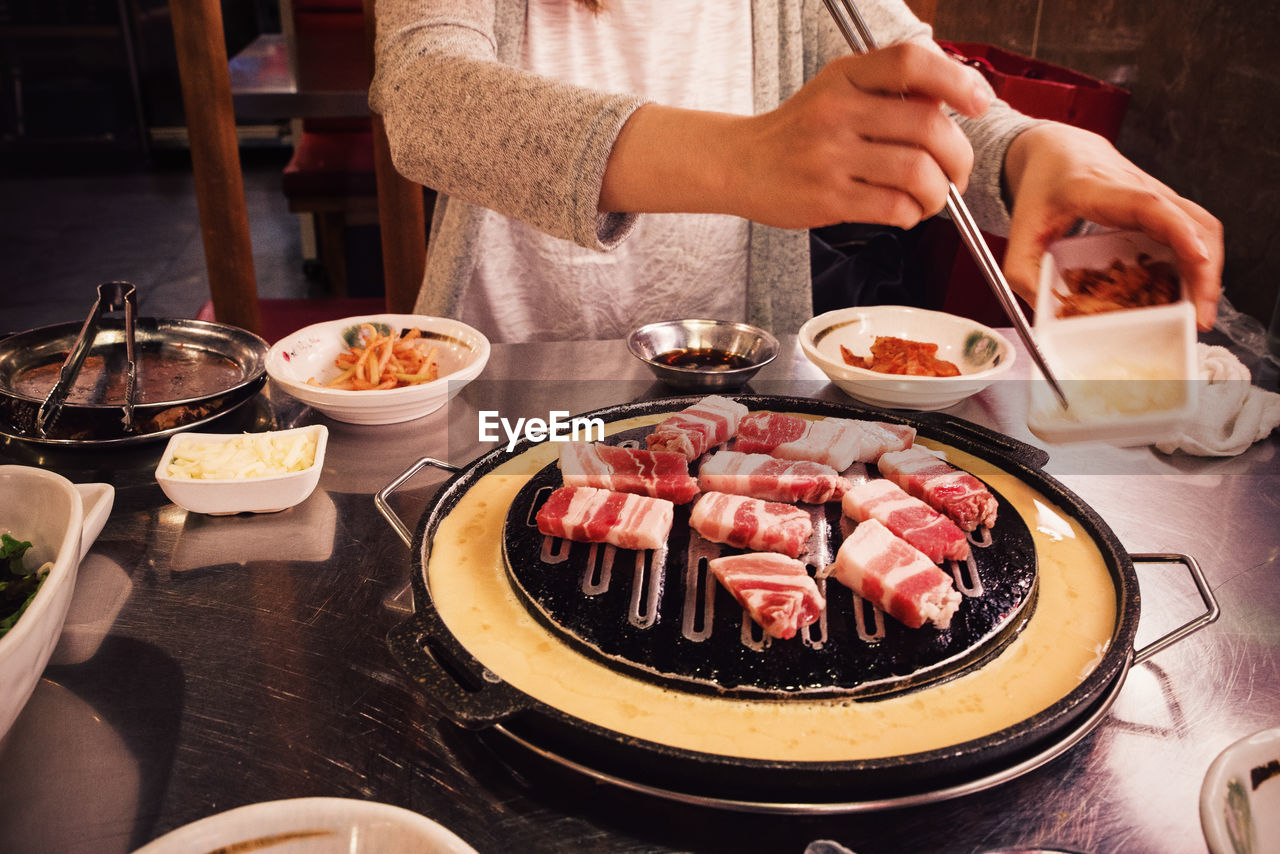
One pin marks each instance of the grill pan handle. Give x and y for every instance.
(382, 502)
(424, 646)
(448, 673)
(1191, 626)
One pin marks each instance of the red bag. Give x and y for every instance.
(1046, 91)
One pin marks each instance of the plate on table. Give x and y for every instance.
(313, 826)
(980, 354)
(301, 364)
(1240, 797)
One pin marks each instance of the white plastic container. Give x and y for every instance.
(1130, 374)
(222, 496)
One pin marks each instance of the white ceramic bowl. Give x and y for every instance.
(60, 521)
(225, 496)
(309, 354)
(1240, 797)
(982, 354)
(312, 826)
(1129, 375)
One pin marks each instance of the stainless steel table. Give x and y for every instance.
(212, 662)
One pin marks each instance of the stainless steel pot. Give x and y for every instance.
(189, 372)
(461, 688)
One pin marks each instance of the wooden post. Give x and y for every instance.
(401, 214)
(215, 161)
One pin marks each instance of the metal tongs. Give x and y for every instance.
(858, 35)
(112, 296)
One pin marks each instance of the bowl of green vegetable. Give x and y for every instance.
(46, 525)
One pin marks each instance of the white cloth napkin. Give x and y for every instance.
(1232, 413)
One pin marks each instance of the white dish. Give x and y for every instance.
(50, 512)
(224, 496)
(1240, 797)
(982, 354)
(1129, 375)
(309, 354)
(313, 826)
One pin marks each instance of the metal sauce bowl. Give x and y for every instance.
(703, 355)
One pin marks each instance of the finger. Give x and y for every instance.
(872, 203)
(1029, 238)
(906, 169)
(922, 125)
(914, 69)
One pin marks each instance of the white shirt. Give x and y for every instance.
(529, 286)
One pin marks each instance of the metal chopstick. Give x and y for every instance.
(858, 35)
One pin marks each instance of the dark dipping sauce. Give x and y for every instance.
(703, 359)
(165, 373)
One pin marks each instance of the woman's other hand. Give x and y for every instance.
(1058, 175)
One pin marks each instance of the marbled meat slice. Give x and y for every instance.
(752, 524)
(908, 517)
(658, 474)
(775, 590)
(946, 488)
(837, 442)
(697, 429)
(894, 576)
(771, 479)
(601, 516)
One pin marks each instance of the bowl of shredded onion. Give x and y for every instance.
(222, 474)
(378, 369)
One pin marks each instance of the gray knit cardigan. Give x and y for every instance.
(463, 120)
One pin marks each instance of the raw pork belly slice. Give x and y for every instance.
(752, 524)
(908, 517)
(893, 575)
(697, 429)
(658, 474)
(957, 493)
(774, 589)
(837, 442)
(601, 516)
(771, 479)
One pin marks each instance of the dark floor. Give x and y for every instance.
(62, 235)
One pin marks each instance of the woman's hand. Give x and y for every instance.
(865, 141)
(1058, 175)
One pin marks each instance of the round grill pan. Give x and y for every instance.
(465, 692)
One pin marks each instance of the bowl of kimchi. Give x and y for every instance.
(901, 357)
(378, 369)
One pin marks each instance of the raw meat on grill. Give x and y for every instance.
(769, 478)
(601, 516)
(775, 590)
(697, 429)
(893, 575)
(946, 488)
(908, 517)
(837, 442)
(752, 524)
(658, 474)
